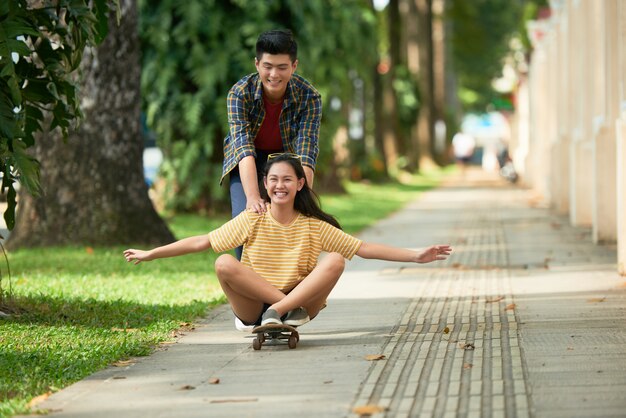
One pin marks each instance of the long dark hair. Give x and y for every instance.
(307, 202)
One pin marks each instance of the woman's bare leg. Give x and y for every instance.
(245, 289)
(311, 293)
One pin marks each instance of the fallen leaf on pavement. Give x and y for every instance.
(214, 380)
(367, 410)
(467, 346)
(375, 357)
(446, 330)
(123, 363)
(510, 307)
(595, 300)
(187, 387)
(494, 299)
(234, 400)
(467, 365)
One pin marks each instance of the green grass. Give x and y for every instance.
(82, 309)
(368, 202)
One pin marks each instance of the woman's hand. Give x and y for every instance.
(137, 255)
(434, 253)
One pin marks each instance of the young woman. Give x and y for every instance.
(279, 278)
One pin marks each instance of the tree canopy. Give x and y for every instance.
(41, 45)
(480, 32)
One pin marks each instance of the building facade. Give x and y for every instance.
(570, 125)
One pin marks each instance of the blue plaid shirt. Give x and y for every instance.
(299, 122)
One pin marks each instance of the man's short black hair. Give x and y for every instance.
(277, 42)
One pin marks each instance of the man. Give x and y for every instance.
(271, 111)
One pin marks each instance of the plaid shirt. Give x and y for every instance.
(299, 120)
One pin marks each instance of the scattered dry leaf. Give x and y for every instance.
(214, 381)
(328, 382)
(446, 330)
(510, 307)
(89, 250)
(467, 365)
(375, 357)
(494, 299)
(367, 410)
(119, 377)
(570, 348)
(467, 346)
(234, 400)
(187, 387)
(38, 399)
(123, 363)
(125, 329)
(596, 300)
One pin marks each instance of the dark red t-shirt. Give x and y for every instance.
(268, 138)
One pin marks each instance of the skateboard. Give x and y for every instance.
(275, 333)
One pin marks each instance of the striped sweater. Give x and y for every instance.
(282, 254)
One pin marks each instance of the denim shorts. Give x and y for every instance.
(258, 321)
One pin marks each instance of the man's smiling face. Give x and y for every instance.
(275, 72)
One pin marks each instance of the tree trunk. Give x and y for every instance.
(94, 191)
(392, 135)
(426, 118)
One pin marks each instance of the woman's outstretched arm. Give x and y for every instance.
(386, 252)
(184, 246)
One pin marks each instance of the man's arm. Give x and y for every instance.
(310, 174)
(250, 184)
(307, 141)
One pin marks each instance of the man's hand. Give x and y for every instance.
(256, 204)
(434, 253)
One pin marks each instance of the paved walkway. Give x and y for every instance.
(526, 319)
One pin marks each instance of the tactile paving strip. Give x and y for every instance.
(455, 352)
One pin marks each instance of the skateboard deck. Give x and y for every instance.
(275, 333)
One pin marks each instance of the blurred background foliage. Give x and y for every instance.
(360, 54)
(193, 55)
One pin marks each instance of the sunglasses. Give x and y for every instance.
(284, 154)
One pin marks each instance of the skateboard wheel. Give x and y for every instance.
(292, 341)
(256, 344)
(261, 337)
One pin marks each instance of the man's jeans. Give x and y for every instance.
(237, 196)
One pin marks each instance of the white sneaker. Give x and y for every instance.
(240, 326)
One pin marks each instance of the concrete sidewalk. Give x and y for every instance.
(526, 318)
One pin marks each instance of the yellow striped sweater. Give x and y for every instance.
(282, 254)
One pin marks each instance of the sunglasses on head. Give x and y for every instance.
(284, 154)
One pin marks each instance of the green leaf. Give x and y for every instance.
(37, 92)
(15, 26)
(102, 20)
(27, 167)
(8, 121)
(14, 88)
(9, 213)
(18, 46)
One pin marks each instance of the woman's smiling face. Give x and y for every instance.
(282, 183)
